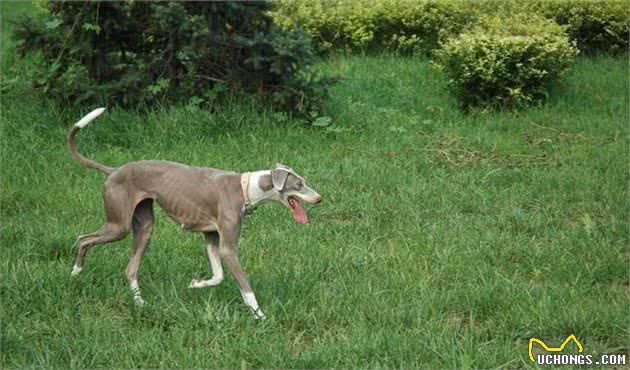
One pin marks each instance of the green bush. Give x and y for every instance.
(596, 26)
(505, 62)
(398, 25)
(420, 25)
(136, 53)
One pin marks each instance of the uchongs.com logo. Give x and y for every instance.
(554, 356)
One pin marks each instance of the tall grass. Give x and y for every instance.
(444, 240)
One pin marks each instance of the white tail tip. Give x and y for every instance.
(89, 117)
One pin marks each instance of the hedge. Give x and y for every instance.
(420, 25)
(596, 26)
(398, 25)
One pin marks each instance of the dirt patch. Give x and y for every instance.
(453, 152)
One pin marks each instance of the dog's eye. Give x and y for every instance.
(299, 184)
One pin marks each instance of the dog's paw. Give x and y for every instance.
(259, 315)
(139, 301)
(76, 270)
(196, 283)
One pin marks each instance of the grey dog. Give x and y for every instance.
(200, 199)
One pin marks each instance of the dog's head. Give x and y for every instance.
(291, 190)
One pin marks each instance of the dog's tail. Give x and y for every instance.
(73, 147)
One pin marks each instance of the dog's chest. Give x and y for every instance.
(190, 215)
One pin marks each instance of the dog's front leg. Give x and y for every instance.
(246, 291)
(227, 250)
(215, 263)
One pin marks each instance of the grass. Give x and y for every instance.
(444, 240)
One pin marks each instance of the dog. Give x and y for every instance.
(200, 199)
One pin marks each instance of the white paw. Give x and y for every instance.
(76, 270)
(139, 301)
(259, 315)
(196, 283)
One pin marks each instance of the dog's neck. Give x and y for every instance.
(253, 193)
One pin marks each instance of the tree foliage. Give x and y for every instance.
(136, 53)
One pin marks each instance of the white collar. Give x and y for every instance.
(247, 206)
(252, 195)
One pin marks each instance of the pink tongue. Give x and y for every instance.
(299, 215)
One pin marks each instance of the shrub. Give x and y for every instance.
(420, 25)
(596, 26)
(398, 25)
(136, 53)
(507, 62)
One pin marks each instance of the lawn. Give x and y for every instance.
(445, 240)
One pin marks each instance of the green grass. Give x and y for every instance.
(444, 240)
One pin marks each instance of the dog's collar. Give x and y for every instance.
(247, 204)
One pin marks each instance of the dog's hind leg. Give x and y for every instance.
(215, 263)
(118, 214)
(109, 233)
(142, 225)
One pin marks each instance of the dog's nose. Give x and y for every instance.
(318, 200)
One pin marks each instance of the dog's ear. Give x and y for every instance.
(279, 178)
(284, 166)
